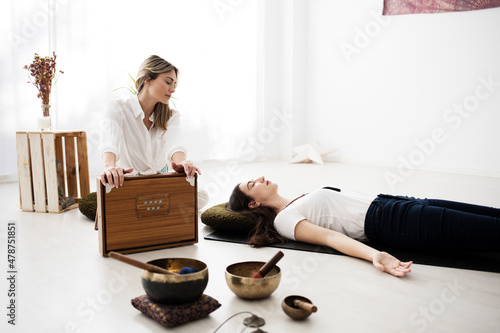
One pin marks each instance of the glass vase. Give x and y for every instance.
(45, 122)
(46, 110)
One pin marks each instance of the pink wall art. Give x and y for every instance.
(399, 7)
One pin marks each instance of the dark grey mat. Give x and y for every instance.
(479, 261)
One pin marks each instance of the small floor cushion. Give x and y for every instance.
(174, 315)
(88, 205)
(221, 219)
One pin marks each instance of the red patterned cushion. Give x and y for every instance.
(174, 315)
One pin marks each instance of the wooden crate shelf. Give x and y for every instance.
(48, 161)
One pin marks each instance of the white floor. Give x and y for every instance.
(64, 285)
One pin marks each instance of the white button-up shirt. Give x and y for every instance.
(125, 135)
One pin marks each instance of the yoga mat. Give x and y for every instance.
(478, 261)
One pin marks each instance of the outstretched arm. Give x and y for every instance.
(313, 234)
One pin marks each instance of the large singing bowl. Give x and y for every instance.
(239, 280)
(175, 289)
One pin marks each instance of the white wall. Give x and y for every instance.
(376, 85)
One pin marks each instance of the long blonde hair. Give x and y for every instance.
(151, 68)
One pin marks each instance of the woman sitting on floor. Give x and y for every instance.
(141, 132)
(343, 220)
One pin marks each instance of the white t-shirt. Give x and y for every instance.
(125, 135)
(343, 211)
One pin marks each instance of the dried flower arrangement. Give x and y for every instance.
(43, 70)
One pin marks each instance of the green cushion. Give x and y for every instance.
(219, 218)
(88, 205)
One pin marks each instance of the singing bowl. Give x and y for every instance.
(292, 311)
(239, 280)
(175, 289)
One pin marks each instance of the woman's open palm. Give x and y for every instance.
(387, 263)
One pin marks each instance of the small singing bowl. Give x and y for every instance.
(293, 311)
(175, 289)
(239, 279)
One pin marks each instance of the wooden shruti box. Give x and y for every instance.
(148, 212)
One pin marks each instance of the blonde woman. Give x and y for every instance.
(142, 132)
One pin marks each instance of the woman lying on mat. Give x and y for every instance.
(343, 220)
(142, 132)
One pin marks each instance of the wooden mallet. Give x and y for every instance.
(304, 305)
(140, 264)
(149, 267)
(268, 266)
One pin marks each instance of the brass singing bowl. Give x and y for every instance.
(175, 289)
(239, 280)
(292, 311)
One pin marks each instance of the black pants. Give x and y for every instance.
(432, 225)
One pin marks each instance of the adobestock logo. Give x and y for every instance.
(364, 36)
(89, 309)
(453, 119)
(31, 26)
(428, 314)
(300, 272)
(248, 151)
(222, 7)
